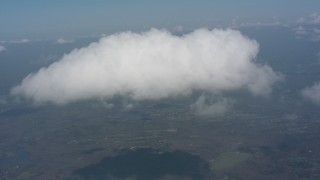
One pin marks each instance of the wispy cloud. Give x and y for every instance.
(300, 30)
(308, 27)
(152, 65)
(312, 93)
(303, 27)
(211, 107)
(309, 33)
(21, 41)
(2, 49)
(237, 22)
(261, 24)
(313, 18)
(315, 34)
(64, 41)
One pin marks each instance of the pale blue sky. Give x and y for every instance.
(67, 18)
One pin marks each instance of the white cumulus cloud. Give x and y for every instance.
(152, 65)
(312, 93)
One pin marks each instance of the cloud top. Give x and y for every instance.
(152, 65)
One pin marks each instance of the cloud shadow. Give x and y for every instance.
(147, 163)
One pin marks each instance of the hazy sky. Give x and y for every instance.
(50, 19)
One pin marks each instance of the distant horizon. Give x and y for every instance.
(53, 19)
